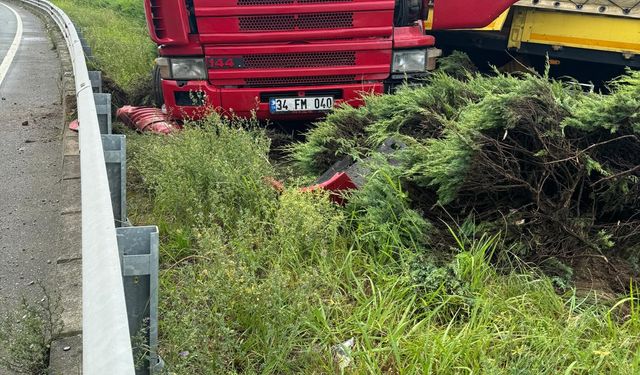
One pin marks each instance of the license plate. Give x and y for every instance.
(280, 105)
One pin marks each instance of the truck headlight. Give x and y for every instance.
(188, 69)
(164, 65)
(182, 69)
(409, 61)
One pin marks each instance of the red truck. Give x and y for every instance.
(295, 59)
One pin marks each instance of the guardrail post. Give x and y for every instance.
(86, 49)
(139, 247)
(103, 108)
(115, 156)
(95, 76)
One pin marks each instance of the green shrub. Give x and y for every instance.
(457, 64)
(306, 226)
(619, 110)
(556, 167)
(443, 163)
(212, 173)
(340, 135)
(380, 216)
(352, 132)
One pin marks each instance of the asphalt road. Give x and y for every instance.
(30, 157)
(8, 31)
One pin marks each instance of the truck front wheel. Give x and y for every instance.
(158, 97)
(407, 12)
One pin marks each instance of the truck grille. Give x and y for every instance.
(319, 21)
(298, 81)
(300, 60)
(277, 2)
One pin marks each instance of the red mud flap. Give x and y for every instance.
(147, 119)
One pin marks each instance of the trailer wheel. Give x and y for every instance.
(158, 97)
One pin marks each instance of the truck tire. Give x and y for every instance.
(408, 12)
(158, 97)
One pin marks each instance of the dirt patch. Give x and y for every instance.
(608, 276)
(118, 96)
(140, 95)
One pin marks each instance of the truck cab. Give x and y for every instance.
(294, 59)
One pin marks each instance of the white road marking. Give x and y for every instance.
(11, 53)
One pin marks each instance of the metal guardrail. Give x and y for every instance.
(106, 338)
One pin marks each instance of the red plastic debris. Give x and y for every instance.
(336, 186)
(147, 119)
(74, 125)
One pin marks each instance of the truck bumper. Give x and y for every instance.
(195, 99)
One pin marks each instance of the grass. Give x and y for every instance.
(256, 282)
(117, 33)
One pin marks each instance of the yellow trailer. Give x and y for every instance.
(600, 31)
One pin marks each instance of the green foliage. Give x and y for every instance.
(307, 223)
(455, 283)
(251, 253)
(26, 335)
(258, 281)
(208, 173)
(213, 173)
(443, 163)
(340, 135)
(242, 306)
(130, 8)
(439, 121)
(230, 316)
(380, 216)
(272, 291)
(418, 112)
(619, 110)
(117, 33)
(410, 112)
(457, 64)
(557, 168)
